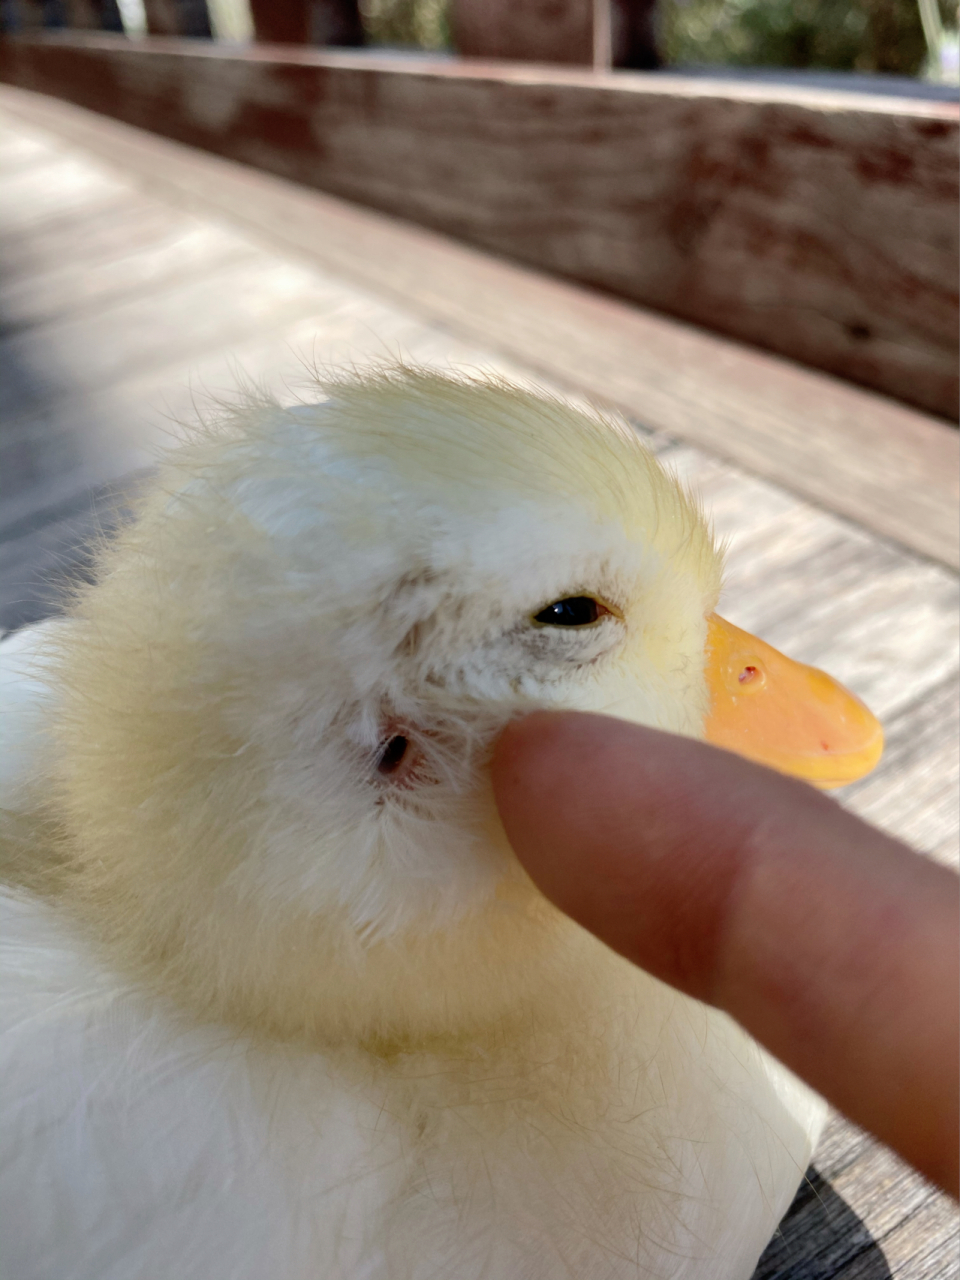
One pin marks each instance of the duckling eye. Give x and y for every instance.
(574, 611)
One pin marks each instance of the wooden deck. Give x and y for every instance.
(816, 222)
(138, 279)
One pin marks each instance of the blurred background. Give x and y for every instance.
(916, 38)
(896, 36)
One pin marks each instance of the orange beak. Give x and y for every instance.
(783, 714)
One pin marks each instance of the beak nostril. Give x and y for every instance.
(785, 714)
(391, 757)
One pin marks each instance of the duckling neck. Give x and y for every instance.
(308, 977)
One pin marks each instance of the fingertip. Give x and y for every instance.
(512, 750)
(632, 831)
(539, 763)
(534, 745)
(536, 786)
(582, 800)
(825, 939)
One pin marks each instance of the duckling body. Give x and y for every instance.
(278, 1001)
(139, 1143)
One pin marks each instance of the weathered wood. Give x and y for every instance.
(177, 18)
(322, 22)
(868, 458)
(84, 14)
(819, 224)
(19, 151)
(224, 303)
(116, 254)
(38, 567)
(879, 620)
(163, 17)
(35, 195)
(823, 588)
(591, 33)
(533, 30)
(634, 35)
(865, 1217)
(913, 793)
(281, 21)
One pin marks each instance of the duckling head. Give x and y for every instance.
(275, 706)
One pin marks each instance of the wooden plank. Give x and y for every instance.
(819, 1237)
(19, 151)
(90, 428)
(319, 22)
(863, 1228)
(177, 17)
(818, 556)
(110, 391)
(281, 21)
(38, 567)
(224, 303)
(591, 33)
(815, 223)
(45, 247)
(825, 591)
(915, 792)
(562, 32)
(71, 446)
(149, 252)
(890, 468)
(53, 191)
(924, 1246)
(828, 571)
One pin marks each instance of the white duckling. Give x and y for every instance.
(278, 1000)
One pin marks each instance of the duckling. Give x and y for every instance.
(279, 1001)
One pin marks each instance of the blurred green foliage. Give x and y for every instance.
(841, 35)
(421, 24)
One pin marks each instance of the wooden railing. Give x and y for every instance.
(813, 222)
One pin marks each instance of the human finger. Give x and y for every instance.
(833, 944)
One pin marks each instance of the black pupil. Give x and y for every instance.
(575, 611)
(392, 754)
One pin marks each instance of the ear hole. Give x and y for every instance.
(399, 763)
(392, 755)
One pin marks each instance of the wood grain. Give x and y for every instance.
(118, 255)
(821, 225)
(913, 793)
(120, 362)
(827, 592)
(535, 32)
(885, 466)
(53, 192)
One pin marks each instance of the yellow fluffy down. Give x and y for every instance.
(286, 1012)
(296, 578)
